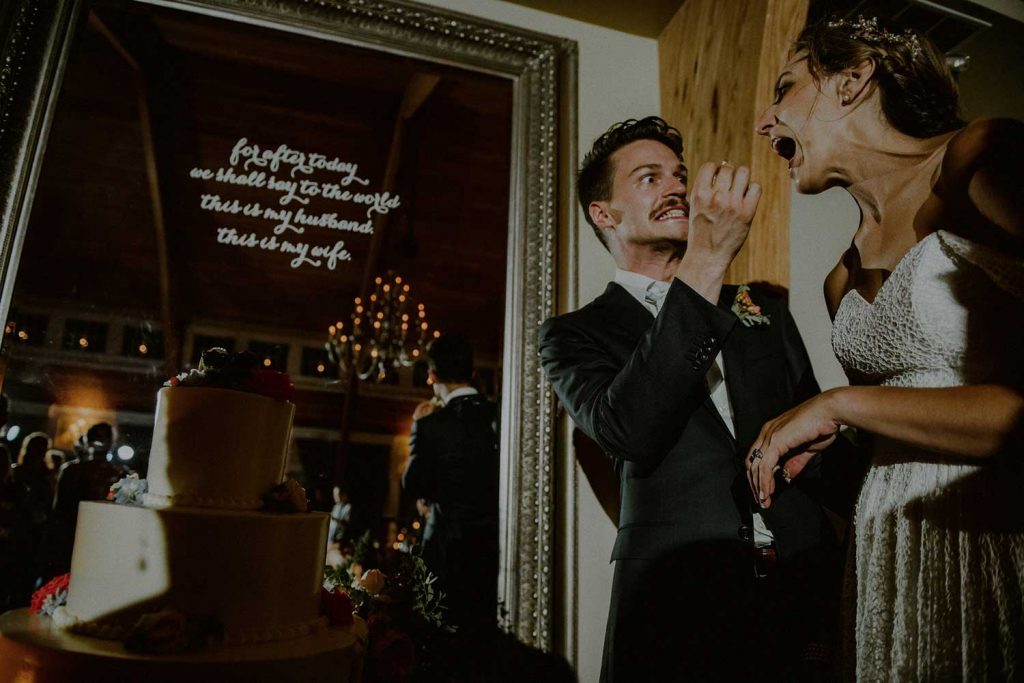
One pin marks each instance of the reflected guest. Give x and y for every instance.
(453, 466)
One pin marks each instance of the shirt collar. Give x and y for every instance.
(459, 393)
(647, 291)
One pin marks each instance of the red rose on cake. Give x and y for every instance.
(51, 596)
(337, 606)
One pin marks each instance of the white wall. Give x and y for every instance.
(618, 79)
(821, 228)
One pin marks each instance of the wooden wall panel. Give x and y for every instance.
(717, 64)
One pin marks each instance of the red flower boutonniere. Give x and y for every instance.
(746, 310)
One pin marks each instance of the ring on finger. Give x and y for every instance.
(756, 455)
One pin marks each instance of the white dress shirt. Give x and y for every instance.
(651, 294)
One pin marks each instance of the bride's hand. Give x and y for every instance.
(790, 440)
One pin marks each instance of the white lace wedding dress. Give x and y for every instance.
(938, 561)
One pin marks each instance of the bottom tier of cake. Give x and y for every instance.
(33, 649)
(256, 575)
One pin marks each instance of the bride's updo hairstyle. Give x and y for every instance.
(918, 93)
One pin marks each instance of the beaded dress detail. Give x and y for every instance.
(937, 572)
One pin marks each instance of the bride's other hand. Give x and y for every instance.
(790, 440)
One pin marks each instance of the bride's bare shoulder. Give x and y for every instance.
(980, 180)
(992, 146)
(984, 137)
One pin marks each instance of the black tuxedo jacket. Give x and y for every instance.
(636, 385)
(454, 463)
(684, 600)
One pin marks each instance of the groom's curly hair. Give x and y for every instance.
(594, 181)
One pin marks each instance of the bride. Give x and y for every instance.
(927, 306)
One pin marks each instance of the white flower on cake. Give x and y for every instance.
(63, 619)
(129, 490)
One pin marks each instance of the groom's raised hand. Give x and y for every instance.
(723, 202)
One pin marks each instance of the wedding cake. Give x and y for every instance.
(201, 566)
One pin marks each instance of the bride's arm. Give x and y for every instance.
(971, 421)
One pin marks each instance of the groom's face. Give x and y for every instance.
(648, 200)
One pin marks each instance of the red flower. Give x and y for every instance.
(54, 586)
(337, 606)
(270, 383)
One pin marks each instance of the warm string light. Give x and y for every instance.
(383, 334)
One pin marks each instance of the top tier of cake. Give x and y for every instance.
(216, 448)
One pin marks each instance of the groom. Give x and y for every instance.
(674, 382)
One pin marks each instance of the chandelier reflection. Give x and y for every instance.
(384, 333)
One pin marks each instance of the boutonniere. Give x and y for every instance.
(746, 310)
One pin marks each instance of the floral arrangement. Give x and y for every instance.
(337, 606)
(404, 613)
(54, 594)
(239, 371)
(129, 490)
(746, 310)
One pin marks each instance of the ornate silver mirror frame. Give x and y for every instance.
(35, 37)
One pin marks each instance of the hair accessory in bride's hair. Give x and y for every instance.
(869, 31)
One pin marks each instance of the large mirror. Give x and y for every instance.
(261, 176)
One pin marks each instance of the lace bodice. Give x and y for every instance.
(950, 314)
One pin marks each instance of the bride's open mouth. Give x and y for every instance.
(784, 147)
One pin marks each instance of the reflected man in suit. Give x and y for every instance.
(663, 375)
(453, 470)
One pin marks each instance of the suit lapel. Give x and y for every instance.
(627, 311)
(742, 377)
(710, 406)
(740, 383)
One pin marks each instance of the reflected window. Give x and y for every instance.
(140, 342)
(85, 335)
(315, 362)
(28, 329)
(271, 356)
